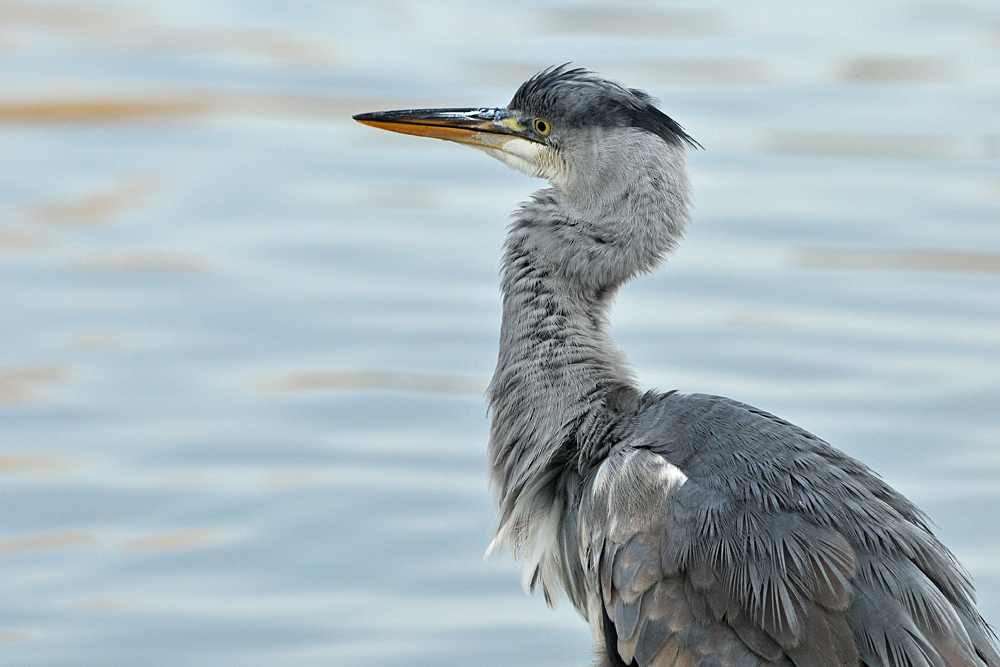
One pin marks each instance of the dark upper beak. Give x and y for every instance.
(480, 127)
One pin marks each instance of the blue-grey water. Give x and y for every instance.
(243, 340)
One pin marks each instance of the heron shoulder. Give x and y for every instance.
(749, 457)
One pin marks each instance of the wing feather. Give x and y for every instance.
(720, 536)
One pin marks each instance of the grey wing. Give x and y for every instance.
(776, 549)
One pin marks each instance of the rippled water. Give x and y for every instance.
(244, 339)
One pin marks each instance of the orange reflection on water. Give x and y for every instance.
(8, 636)
(16, 242)
(142, 261)
(91, 209)
(185, 539)
(105, 340)
(29, 463)
(62, 111)
(17, 382)
(102, 604)
(47, 542)
(294, 478)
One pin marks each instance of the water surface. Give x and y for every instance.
(244, 339)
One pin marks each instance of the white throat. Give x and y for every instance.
(528, 157)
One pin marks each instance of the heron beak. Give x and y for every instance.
(485, 128)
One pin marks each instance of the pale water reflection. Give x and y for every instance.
(245, 340)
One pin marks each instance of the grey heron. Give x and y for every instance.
(686, 529)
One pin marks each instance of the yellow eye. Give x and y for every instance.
(542, 127)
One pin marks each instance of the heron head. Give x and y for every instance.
(568, 126)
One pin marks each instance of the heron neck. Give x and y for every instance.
(557, 363)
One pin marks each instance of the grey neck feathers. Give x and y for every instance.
(565, 257)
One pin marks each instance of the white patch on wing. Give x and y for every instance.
(619, 468)
(632, 492)
(541, 560)
(601, 479)
(670, 474)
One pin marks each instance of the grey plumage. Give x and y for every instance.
(687, 529)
